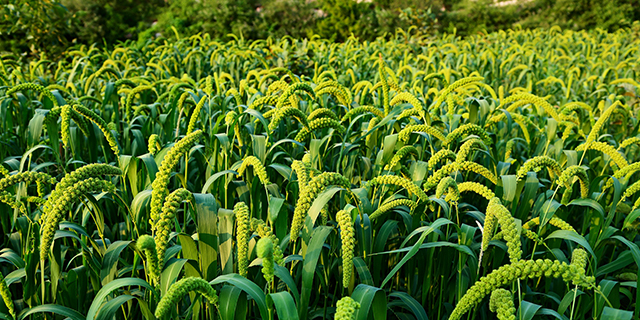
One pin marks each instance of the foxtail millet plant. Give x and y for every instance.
(630, 191)
(533, 99)
(196, 114)
(241, 212)
(566, 180)
(6, 297)
(65, 119)
(318, 124)
(164, 224)
(147, 244)
(27, 177)
(476, 187)
(347, 236)
(361, 110)
(181, 288)
(607, 149)
(292, 89)
(285, 113)
(501, 302)
(400, 155)
(384, 84)
(385, 207)
(160, 185)
(604, 117)
(340, 95)
(309, 193)
(322, 113)
(497, 213)
(346, 309)
(264, 249)
(440, 156)
(467, 147)
(56, 211)
(478, 169)
(629, 142)
(466, 130)
(536, 164)
(449, 187)
(154, 144)
(265, 231)
(406, 132)
(96, 119)
(522, 269)
(444, 93)
(132, 94)
(35, 87)
(406, 184)
(258, 169)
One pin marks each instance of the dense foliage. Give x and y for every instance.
(48, 27)
(299, 179)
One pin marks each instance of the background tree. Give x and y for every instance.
(32, 26)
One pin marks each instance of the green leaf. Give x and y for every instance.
(528, 197)
(139, 205)
(322, 199)
(425, 232)
(461, 248)
(509, 187)
(548, 210)
(389, 146)
(550, 312)
(610, 290)
(259, 146)
(247, 286)
(588, 203)
(258, 115)
(189, 250)
(527, 310)
(273, 147)
(213, 178)
(630, 219)
(15, 276)
(275, 205)
(110, 261)
(363, 271)
(109, 288)
(35, 127)
(412, 304)
(283, 170)
(170, 274)
(108, 311)
(225, 238)
(624, 259)
(318, 237)
(617, 194)
(51, 308)
(231, 303)
(285, 306)
(372, 301)
(573, 236)
(283, 274)
(363, 196)
(207, 217)
(615, 314)
(568, 300)
(151, 165)
(635, 252)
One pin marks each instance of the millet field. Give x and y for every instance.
(492, 176)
